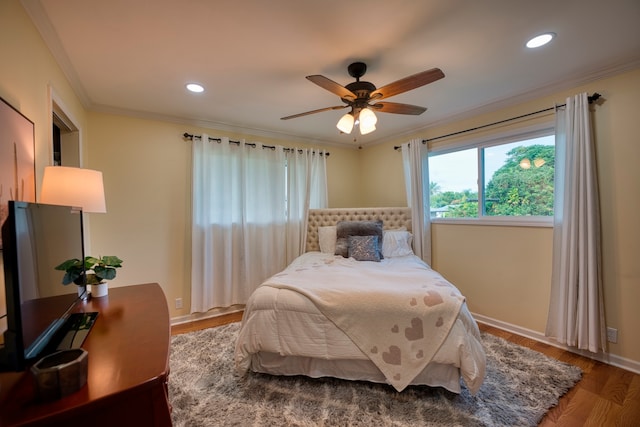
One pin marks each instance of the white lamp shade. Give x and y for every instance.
(367, 120)
(75, 187)
(345, 124)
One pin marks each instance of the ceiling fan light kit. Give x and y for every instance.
(363, 97)
(368, 121)
(366, 130)
(345, 124)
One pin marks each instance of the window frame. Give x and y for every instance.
(480, 143)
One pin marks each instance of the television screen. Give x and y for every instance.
(36, 239)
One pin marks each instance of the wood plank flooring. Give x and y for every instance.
(606, 395)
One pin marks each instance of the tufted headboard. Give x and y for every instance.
(391, 218)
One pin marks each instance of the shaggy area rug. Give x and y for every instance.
(204, 390)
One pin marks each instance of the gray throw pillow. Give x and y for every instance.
(364, 248)
(344, 229)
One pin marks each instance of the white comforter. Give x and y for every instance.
(398, 313)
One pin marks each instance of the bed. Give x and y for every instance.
(361, 315)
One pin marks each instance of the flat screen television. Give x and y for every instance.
(35, 239)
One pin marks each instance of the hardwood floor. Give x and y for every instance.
(605, 396)
(206, 323)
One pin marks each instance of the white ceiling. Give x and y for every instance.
(252, 56)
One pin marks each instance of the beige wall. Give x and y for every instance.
(504, 271)
(382, 177)
(31, 80)
(28, 77)
(344, 175)
(146, 166)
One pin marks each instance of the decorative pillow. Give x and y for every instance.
(327, 239)
(396, 243)
(344, 229)
(364, 248)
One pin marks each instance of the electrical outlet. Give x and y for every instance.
(612, 335)
(178, 303)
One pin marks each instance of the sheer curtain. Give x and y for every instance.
(306, 188)
(247, 205)
(416, 173)
(576, 309)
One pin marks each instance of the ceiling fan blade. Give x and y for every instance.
(337, 107)
(394, 107)
(332, 86)
(408, 83)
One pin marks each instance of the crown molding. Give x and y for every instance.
(40, 20)
(37, 14)
(214, 126)
(576, 80)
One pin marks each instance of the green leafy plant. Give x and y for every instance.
(96, 269)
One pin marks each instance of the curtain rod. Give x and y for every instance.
(591, 99)
(250, 144)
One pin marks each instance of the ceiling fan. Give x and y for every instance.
(363, 97)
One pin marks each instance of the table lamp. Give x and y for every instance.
(77, 187)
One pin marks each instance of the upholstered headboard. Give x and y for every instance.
(391, 218)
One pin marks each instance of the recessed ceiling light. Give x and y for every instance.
(540, 40)
(195, 87)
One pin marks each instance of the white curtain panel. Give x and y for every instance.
(576, 310)
(318, 192)
(307, 188)
(238, 224)
(415, 161)
(249, 215)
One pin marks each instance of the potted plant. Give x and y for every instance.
(92, 271)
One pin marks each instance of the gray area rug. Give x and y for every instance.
(204, 390)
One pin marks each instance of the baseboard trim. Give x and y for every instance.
(215, 312)
(608, 358)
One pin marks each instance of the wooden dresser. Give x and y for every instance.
(128, 368)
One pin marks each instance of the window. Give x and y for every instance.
(495, 180)
(453, 184)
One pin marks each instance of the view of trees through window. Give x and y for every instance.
(516, 180)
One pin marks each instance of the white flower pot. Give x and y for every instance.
(99, 290)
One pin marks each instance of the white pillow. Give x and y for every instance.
(396, 243)
(327, 239)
